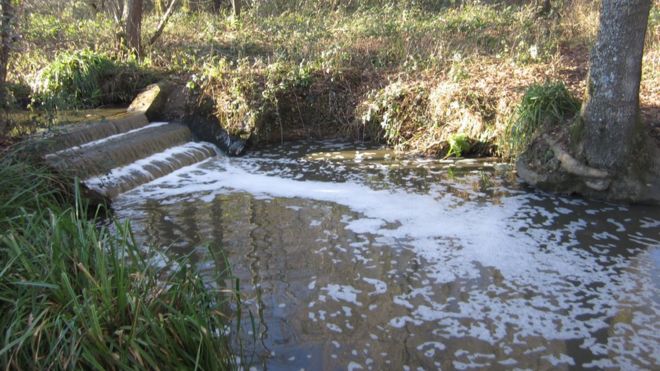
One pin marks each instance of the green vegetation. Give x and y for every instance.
(423, 116)
(85, 79)
(458, 145)
(411, 77)
(542, 105)
(75, 295)
(393, 112)
(407, 73)
(246, 95)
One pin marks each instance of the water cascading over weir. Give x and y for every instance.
(121, 152)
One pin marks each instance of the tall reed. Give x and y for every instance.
(76, 295)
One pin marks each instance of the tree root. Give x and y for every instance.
(596, 179)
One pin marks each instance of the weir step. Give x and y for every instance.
(77, 134)
(101, 156)
(122, 152)
(122, 179)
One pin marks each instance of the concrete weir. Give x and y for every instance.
(76, 134)
(124, 151)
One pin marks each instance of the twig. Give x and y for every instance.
(163, 22)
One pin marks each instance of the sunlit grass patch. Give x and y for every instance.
(85, 79)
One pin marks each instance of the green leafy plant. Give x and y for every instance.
(542, 105)
(84, 79)
(458, 144)
(248, 95)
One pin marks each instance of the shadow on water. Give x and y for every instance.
(351, 257)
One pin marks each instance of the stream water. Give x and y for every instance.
(351, 258)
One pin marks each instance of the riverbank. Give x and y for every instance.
(77, 294)
(414, 76)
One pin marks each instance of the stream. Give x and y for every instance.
(350, 257)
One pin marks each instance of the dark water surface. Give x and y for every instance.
(351, 258)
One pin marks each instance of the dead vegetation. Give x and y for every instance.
(417, 83)
(409, 75)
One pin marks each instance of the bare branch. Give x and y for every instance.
(163, 22)
(117, 10)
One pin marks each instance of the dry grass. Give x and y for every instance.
(423, 114)
(451, 69)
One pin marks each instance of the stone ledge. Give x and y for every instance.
(151, 101)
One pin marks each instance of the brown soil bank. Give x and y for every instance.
(278, 102)
(247, 104)
(237, 109)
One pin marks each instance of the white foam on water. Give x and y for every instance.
(380, 287)
(354, 366)
(334, 328)
(142, 166)
(458, 240)
(343, 293)
(556, 361)
(430, 347)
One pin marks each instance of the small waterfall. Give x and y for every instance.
(127, 177)
(86, 161)
(118, 155)
(77, 134)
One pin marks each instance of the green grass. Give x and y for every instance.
(85, 79)
(75, 295)
(541, 106)
(372, 34)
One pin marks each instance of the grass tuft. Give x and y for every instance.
(542, 105)
(75, 295)
(84, 79)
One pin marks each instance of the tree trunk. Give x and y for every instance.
(611, 106)
(133, 27)
(6, 40)
(217, 5)
(236, 8)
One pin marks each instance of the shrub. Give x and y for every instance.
(393, 114)
(542, 105)
(85, 79)
(267, 102)
(443, 119)
(18, 95)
